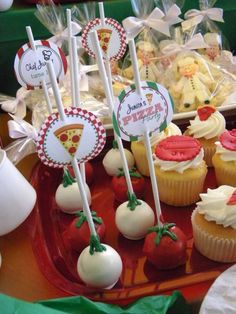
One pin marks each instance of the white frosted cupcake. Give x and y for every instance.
(214, 224)
(139, 151)
(224, 159)
(180, 170)
(207, 126)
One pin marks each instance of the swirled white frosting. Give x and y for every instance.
(172, 129)
(213, 206)
(212, 127)
(179, 166)
(225, 154)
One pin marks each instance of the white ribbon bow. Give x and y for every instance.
(84, 70)
(194, 17)
(156, 20)
(196, 42)
(14, 105)
(25, 135)
(62, 36)
(19, 128)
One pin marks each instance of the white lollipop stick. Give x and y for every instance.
(75, 65)
(47, 98)
(30, 37)
(56, 91)
(107, 61)
(108, 92)
(134, 60)
(153, 177)
(102, 70)
(101, 12)
(33, 47)
(86, 208)
(69, 27)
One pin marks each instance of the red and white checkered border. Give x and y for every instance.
(101, 132)
(113, 23)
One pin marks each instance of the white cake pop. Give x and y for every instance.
(134, 223)
(68, 197)
(100, 269)
(112, 161)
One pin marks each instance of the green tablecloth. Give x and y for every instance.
(13, 35)
(174, 304)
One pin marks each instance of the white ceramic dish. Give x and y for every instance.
(221, 297)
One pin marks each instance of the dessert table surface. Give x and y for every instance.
(20, 275)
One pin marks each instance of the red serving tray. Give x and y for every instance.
(139, 278)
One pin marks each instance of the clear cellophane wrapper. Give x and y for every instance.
(164, 61)
(194, 81)
(82, 14)
(146, 46)
(53, 17)
(19, 149)
(218, 50)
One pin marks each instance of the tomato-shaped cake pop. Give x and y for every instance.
(112, 161)
(100, 267)
(77, 236)
(68, 196)
(165, 246)
(134, 218)
(120, 188)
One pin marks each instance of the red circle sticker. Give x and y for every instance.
(111, 36)
(31, 66)
(82, 135)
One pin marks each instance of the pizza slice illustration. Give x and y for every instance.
(149, 98)
(104, 36)
(70, 136)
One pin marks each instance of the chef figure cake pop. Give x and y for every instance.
(146, 51)
(193, 88)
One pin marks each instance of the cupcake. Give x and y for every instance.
(214, 224)
(207, 126)
(224, 159)
(180, 170)
(139, 151)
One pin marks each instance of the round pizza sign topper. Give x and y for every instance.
(111, 36)
(31, 66)
(82, 136)
(134, 115)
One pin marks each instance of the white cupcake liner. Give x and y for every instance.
(214, 248)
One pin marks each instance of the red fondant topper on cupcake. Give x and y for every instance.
(204, 112)
(30, 65)
(82, 136)
(228, 139)
(178, 148)
(111, 35)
